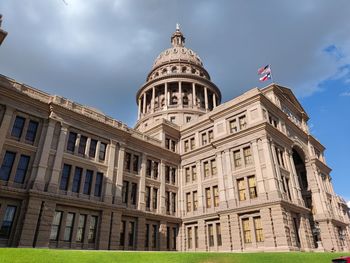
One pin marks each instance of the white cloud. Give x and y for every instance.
(348, 203)
(345, 94)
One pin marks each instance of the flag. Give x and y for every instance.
(264, 70)
(265, 77)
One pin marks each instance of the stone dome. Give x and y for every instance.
(178, 52)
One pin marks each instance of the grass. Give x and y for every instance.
(16, 255)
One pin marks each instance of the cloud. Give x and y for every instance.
(100, 52)
(345, 94)
(348, 203)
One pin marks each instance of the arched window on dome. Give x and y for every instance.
(164, 71)
(174, 70)
(173, 100)
(193, 70)
(184, 69)
(185, 100)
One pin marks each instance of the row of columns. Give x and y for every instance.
(142, 101)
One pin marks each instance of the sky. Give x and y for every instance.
(99, 52)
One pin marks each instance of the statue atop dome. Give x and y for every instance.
(177, 39)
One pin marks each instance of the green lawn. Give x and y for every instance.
(13, 255)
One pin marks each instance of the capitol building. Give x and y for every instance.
(194, 174)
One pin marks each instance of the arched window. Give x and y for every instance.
(173, 70)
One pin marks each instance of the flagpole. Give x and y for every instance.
(271, 74)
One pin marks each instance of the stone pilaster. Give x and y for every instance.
(110, 173)
(47, 214)
(105, 223)
(5, 125)
(141, 233)
(115, 231)
(142, 188)
(120, 171)
(221, 183)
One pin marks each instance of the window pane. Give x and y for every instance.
(18, 127)
(131, 233)
(125, 192)
(31, 131)
(69, 227)
(81, 228)
(92, 229)
(56, 222)
(22, 168)
(135, 163)
(77, 179)
(92, 150)
(133, 193)
(65, 177)
(71, 141)
(102, 153)
(7, 222)
(82, 144)
(88, 182)
(98, 184)
(6, 166)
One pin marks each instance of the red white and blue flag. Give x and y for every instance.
(265, 72)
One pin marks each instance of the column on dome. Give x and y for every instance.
(153, 98)
(144, 103)
(206, 98)
(180, 94)
(214, 100)
(166, 95)
(194, 97)
(139, 109)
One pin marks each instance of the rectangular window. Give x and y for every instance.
(233, 126)
(155, 170)
(133, 193)
(77, 179)
(167, 174)
(194, 173)
(148, 197)
(193, 144)
(92, 150)
(131, 230)
(154, 237)
(248, 159)
(125, 192)
(173, 175)
(7, 222)
(167, 143)
(102, 153)
(167, 201)
(213, 167)
(186, 146)
(242, 122)
(127, 161)
(22, 169)
(252, 187)
(187, 174)
(149, 168)
(122, 233)
(218, 234)
(241, 189)
(189, 237)
(204, 138)
(135, 163)
(7, 164)
(65, 177)
(168, 237)
(147, 236)
(71, 141)
(98, 184)
(88, 182)
(208, 197)
(258, 229)
(155, 198)
(174, 237)
(82, 144)
(69, 227)
(195, 201)
(206, 169)
(56, 224)
(92, 229)
(188, 202)
(210, 136)
(246, 231)
(81, 228)
(17, 128)
(237, 159)
(211, 235)
(196, 236)
(216, 196)
(31, 131)
(173, 200)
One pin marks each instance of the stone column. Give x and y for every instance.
(162, 188)
(231, 200)
(221, 183)
(120, 171)
(194, 97)
(5, 125)
(141, 233)
(225, 233)
(268, 226)
(39, 183)
(258, 173)
(110, 173)
(139, 109)
(202, 246)
(57, 166)
(206, 98)
(105, 221)
(166, 95)
(214, 100)
(97, 153)
(142, 202)
(115, 230)
(44, 228)
(144, 102)
(201, 201)
(162, 235)
(296, 191)
(180, 94)
(153, 98)
(236, 233)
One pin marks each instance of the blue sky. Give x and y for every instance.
(99, 52)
